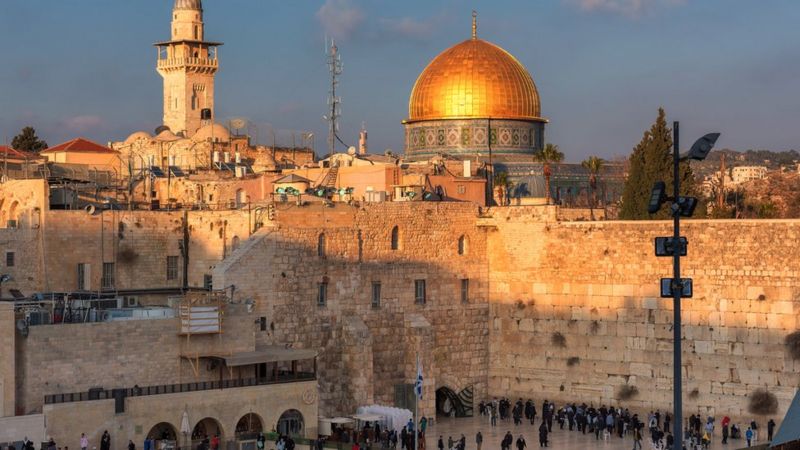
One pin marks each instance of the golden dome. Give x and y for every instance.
(474, 79)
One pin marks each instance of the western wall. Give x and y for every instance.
(597, 284)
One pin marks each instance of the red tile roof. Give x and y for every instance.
(80, 145)
(8, 152)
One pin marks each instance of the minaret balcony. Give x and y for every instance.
(177, 63)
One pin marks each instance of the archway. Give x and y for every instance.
(163, 432)
(291, 423)
(12, 219)
(249, 426)
(207, 428)
(448, 403)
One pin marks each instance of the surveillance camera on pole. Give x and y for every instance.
(675, 246)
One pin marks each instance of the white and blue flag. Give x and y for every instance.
(418, 383)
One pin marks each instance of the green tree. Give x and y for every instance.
(593, 165)
(547, 156)
(27, 141)
(651, 161)
(501, 185)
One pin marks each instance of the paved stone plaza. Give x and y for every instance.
(559, 439)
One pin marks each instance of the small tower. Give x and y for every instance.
(362, 140)
(187, 63)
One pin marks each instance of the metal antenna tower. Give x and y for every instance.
(334, 102)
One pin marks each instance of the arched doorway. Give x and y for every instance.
(207, 428)
(163, 435)
(449, 404)
(291, 423)
(249, 426)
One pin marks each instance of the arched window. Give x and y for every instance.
(321, 245)
(462, 245)
(395, 238)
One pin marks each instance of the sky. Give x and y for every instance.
(602, 67)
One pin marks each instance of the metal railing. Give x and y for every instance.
(109, 394)
(172, 62)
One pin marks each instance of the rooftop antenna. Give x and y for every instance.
(474, 24)
(334, 102)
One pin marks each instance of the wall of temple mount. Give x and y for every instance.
(530, 276)
(596, 283)
(366, 351)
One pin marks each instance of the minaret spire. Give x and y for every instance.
(474, 24)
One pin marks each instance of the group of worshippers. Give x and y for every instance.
(605, 422)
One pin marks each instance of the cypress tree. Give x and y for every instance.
(651, 161)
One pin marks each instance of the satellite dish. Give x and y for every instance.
(161, 129)
(280, 190)
(238, 123)
(22, 326)
(351, 150)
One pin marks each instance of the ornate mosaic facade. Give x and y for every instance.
(470, 137)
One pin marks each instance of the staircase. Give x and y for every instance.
(331, 177)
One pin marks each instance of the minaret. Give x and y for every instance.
(187, 63)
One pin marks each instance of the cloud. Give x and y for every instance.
(340, 18)
(629, 8)
(408, 27)
(83, 124)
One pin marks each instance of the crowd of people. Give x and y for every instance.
(610, 422)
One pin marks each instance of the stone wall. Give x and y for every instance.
(56, 359)
(281, 271)
(66, 421)
(7, 360)
(597, 285)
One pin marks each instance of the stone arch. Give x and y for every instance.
(249, 426)
(207, 426)
(291, 423)
(448, 403)
(163, 431)
(463, 244)
(395, 238)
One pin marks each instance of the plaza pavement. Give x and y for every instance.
(559, 439)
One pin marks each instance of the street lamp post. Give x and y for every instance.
(677, 425)
(677, 287)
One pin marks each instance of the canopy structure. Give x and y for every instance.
(366, 417)
(788, 435)
(267, 355)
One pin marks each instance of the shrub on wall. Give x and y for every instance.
(793, 344)
(558, 340)
(627, 392)
(762, 402)
(127, 255)
(573, 361)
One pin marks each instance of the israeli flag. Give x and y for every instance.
(418, 383)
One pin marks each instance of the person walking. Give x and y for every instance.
(770, 429)
(84, 442)
(105, 441)
(724, 432)
(478, 440)
(449, 442)
(521, 443)
(637, 438)
(440, 444)
(748, 435)
(543, 434)
(131, 445)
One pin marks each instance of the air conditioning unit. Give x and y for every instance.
(130, 302)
